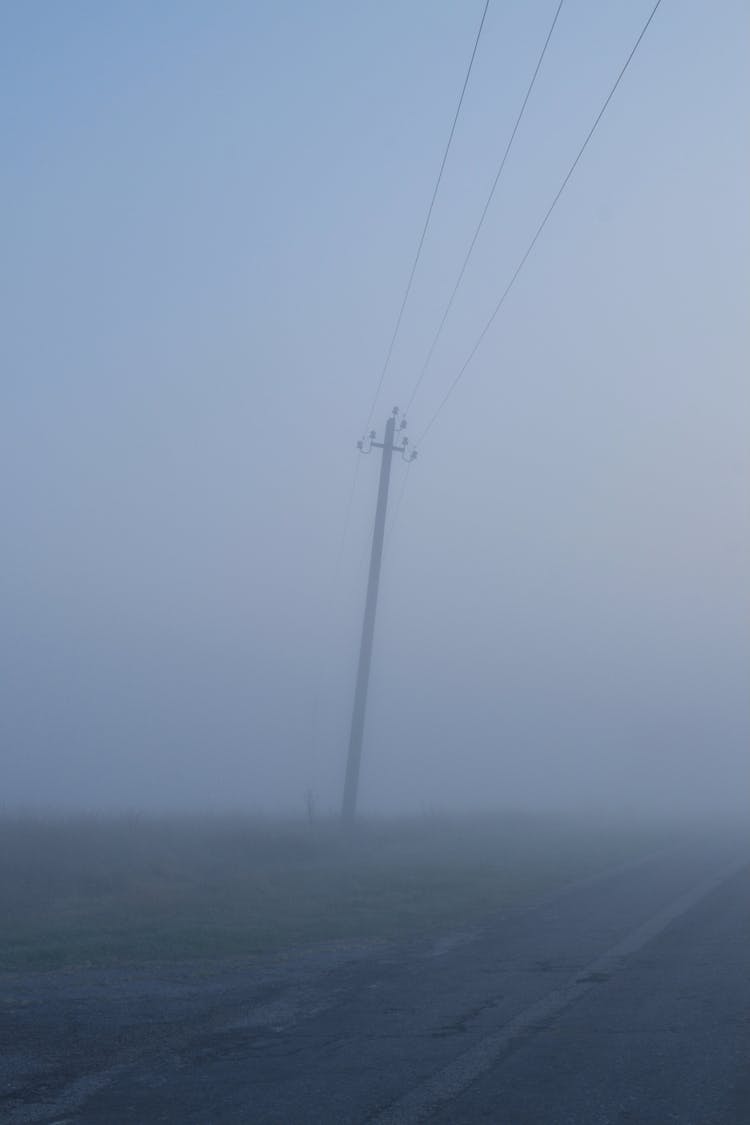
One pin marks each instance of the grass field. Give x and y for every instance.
(98, 891)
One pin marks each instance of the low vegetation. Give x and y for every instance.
(104, 891)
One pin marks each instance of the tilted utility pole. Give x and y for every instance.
(388, 447)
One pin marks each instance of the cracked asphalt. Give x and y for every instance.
(621, 999)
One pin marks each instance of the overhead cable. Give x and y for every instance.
(540, 228)
(475, 236)
(420, 244)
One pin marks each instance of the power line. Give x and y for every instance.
(475, 236)
(539, 229)
(407, 291)
(397, 507)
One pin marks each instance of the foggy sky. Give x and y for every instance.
(210, 211)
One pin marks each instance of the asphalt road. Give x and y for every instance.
(624, 999)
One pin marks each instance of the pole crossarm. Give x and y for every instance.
(367, 444)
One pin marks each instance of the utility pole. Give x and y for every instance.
(389, 447)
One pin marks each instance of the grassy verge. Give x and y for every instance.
(93, 891)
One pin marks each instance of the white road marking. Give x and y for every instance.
(421, 1102)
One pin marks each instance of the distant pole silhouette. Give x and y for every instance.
(389, 447)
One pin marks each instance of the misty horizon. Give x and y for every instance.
(208, 232)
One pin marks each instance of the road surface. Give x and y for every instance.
(622, 999)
